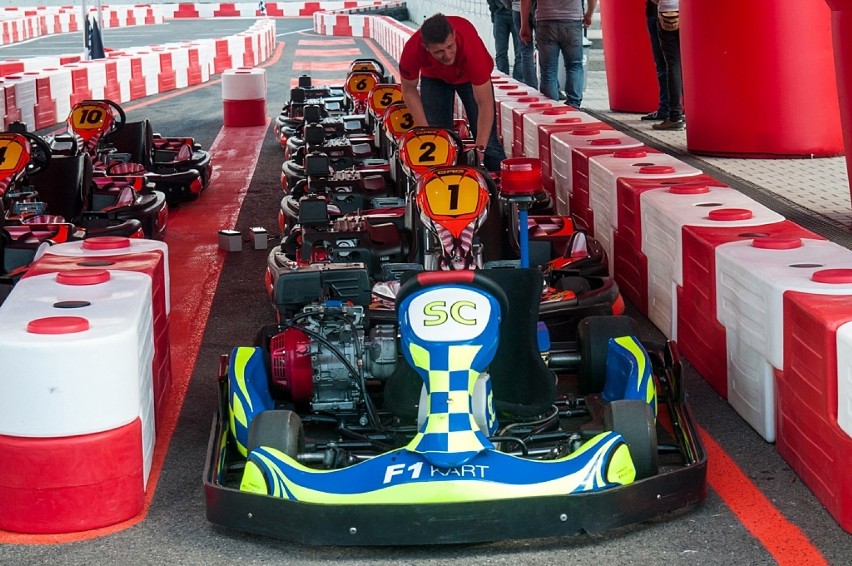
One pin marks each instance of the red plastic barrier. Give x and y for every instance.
(841, 26)
(631, 77)
(757, 79)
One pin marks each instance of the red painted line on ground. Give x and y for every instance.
(354, 52)
(321, 65)
(786, 542)
(326, 42)
(389, 65)
(195, 265)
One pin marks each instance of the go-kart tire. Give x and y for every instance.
(634, 420)
(593, 334)
(279, 429)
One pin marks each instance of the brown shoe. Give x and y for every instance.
(669, 124)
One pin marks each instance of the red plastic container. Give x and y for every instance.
(631, 77)
(841, 26)
(760, 83)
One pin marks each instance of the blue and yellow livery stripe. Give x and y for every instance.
(248, 392)
(403, 477)
(628, 372)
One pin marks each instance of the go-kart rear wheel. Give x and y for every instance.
(279, 429)
(593, 334)
(634, 420)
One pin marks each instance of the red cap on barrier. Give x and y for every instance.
(729, 214)
(83, 277)
(586, 132)
(770, 243)
(568, 120)
(106, 243)
(833, 276)
(689, 189)
(58, 325)
(630, 153)
(657, 169)
(606, 141)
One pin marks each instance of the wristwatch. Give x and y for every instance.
(480, 148)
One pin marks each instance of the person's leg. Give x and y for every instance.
(670, 44)
(572, 52)
(517, 67)
(660, 65)
(438, 102)
(527, 51)
(494, 153)
(501, 41)
(547, 43)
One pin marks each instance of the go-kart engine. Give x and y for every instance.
(324, 357)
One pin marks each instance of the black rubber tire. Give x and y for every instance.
(634, 420)
(593, 334)
(279, 429)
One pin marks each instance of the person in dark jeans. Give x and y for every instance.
(668, 28)
(662, 111)
(447, 57)
(504, 28)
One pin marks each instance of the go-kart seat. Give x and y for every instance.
(523, 385)
(65, 185)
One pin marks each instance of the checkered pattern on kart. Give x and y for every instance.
(450, 426)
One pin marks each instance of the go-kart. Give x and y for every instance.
(34, 214)
(175, 166)
(469, 427)
(319, 102)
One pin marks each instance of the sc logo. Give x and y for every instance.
(436, 313)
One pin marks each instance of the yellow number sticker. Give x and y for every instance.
(90, 117)
(11, 150)
(452, 195)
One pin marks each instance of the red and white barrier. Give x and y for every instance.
(538, 126)
(77, 354)
(751, 279)
(244, 96)
(604, 173)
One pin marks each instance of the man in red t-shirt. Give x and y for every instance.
(447, 57)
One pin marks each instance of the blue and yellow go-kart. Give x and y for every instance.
(466, 428)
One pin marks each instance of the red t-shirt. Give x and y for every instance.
(473, 63)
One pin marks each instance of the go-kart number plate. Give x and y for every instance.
(398, 120)
(360, 84)
(452, 195)
(429, 152)
(11, 152)
(382, 97)
(89, 117)
(449, 314)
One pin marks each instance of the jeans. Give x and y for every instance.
(503, 29)
(670, 45)
(438, 105)
(660, 65)
(553, 37)
(527, 50)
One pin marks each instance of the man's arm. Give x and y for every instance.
(590, 9)
(484, 96)
(411, 97)
(526, 32)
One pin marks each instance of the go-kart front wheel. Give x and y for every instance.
(279, 429)
(634, 420)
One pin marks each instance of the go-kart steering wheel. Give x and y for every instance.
(119, 118)
(40, 154)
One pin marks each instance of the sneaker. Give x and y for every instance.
(669, 124)
(654, 116)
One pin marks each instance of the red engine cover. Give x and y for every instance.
(291, 364)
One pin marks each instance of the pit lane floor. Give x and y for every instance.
(757, 511)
